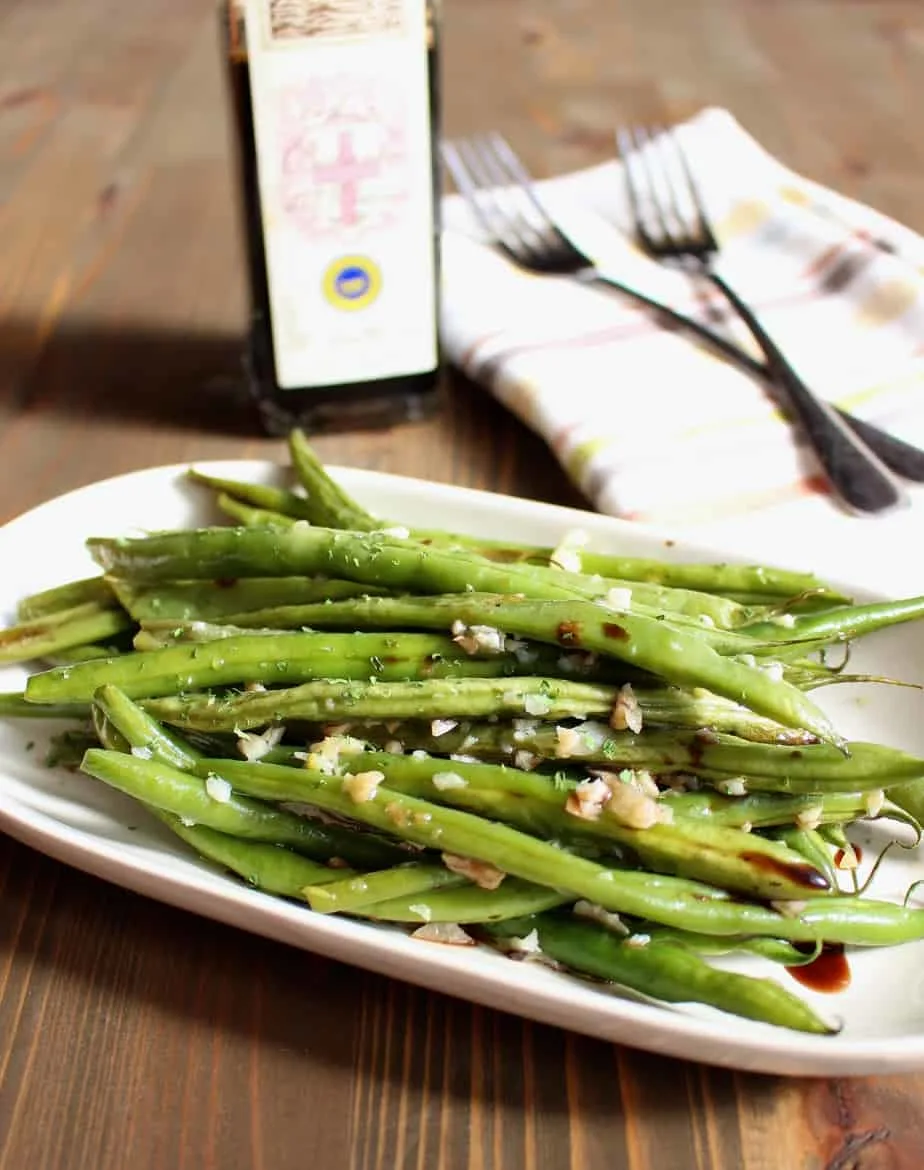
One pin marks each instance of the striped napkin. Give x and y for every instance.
(650, 424)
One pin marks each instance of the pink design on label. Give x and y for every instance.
(343, 154)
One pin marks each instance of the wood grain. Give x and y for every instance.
(132, 1034)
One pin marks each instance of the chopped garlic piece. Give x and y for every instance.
(254, 747)
(324, 756)
(528, 945)
(632, 808)
(809, 818)
(537, 704)
(362, 786)
(567, 554)
(218, 789)
(482, 873)
(585, 909)
(444, 781)
(587, 801)
(473, 639)
(789, 909)
(440, 727)
(524, 728)
(444, 932)
(569, 742)
(626, 713)
(618, 598)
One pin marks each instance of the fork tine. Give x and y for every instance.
(508, 189)
(637, 187)
(465, 184)
(464, 164)
(551, 235)
(703, 224)
(510, 162)
(659, 186)
(661, 141)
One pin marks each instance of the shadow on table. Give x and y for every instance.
(194, 382)
(417, 1062)
(186, 380)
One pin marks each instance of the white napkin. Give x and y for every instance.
(650, 424)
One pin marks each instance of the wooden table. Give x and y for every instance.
(134, 1035)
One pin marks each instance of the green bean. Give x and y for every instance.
(433, 698)
(260, 495)
(528, 661)
(659, 706)
(671, 901)
(122, 726)
(342, 511)
(89, 651)
(243, 513)
(270, 868)
(186, 795)
(440, 612)
(185, 601)
(42, 636)
(13, 704)
(469, 904)
(357, 893)
(142, 733)
(839, 625)
(808, 843)
(88, 590)
(329, 504)
(775, 950)
(749, 580)
(910, 798)
(285, 658)
(759, 767)
(765, 809)
(536, 804)
(678, 656)
(664, 971)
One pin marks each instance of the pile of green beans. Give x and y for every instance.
(612, 763)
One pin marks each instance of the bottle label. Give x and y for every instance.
(341, 110)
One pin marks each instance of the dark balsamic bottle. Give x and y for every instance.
(336, 120)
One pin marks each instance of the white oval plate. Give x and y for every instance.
(85, 824)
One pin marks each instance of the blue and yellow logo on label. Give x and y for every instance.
(352, 282)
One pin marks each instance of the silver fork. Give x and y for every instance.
(501, 195)
(671, 224)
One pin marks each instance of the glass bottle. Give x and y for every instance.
(336, 117)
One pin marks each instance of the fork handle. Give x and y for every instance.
(855, 472)
(903, 458)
